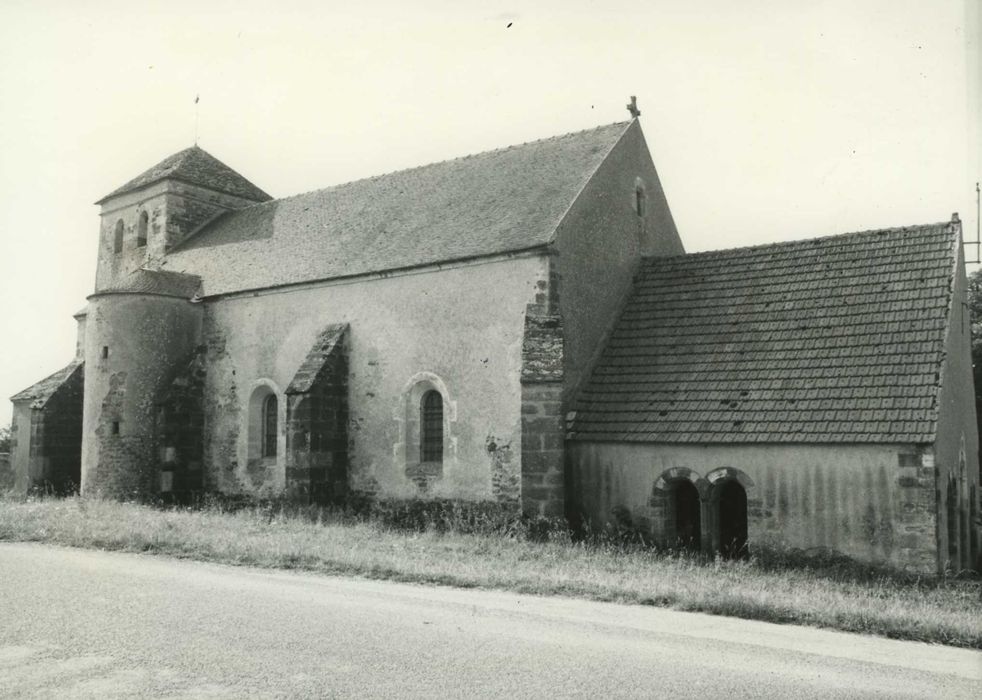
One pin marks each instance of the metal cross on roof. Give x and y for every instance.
(632, 107)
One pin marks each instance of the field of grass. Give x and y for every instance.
(770, 586)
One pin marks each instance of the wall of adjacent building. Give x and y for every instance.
(47, 438)
(20, 446)
(874, 503)
(957, 445)
(456, 327)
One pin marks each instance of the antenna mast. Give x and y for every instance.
(196, 98)
(976, 243)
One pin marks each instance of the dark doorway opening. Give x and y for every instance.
(953, 538)
(732, 520)
(688, 529)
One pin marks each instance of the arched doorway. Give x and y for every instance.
(688, 525)
(732, 519)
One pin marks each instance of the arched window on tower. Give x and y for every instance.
(141, 230)
(269, 426)
(118, 237)
(431, 427)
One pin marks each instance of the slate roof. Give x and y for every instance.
(198, 167)
(38, 394)
(500, 201)
(836, 339)
(156, 282)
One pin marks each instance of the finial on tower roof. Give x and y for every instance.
(632, 107)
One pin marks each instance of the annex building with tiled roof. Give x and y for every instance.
(520, 326)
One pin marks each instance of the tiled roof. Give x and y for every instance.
(836, 339)
(196, 166)
(156, 282)
(500, 201)
(38, 394)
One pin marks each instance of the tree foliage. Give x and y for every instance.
(975, 307)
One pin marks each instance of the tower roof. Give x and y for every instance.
(197, 167)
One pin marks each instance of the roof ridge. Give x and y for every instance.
(790, 244)
(424, 166)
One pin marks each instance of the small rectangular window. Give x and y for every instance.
(118, 237)
(115, 427)
(105, 351)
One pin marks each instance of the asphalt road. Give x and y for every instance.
(77, 623)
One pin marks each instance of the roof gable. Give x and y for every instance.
(197, 167)
(836, 339)
(500, 201)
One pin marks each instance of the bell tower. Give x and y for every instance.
(157, 210)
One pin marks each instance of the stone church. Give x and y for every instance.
(520, 326)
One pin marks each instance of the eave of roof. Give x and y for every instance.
(155, 283)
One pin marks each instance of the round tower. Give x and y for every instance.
(138, 334)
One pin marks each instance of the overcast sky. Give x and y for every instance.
(767, 120)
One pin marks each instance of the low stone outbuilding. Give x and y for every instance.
(815, 394)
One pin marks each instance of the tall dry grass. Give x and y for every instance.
(505, 554)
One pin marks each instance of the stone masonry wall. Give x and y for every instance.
(874, 503)
(459, 328)
(543, 433)
(180, 426)
(135, 344)
(175, 210)
(47, 438)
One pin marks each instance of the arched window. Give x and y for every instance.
(141, 230)
(118, 237)
(269, 426)
(431, 427)
(639, 198)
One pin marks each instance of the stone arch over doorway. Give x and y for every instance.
(679, 495)
(729, 490)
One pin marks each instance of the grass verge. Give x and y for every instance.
(771, 586)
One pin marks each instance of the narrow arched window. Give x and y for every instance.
(118, 237)
(431, 421)
(141, 230)
(269, 426)
(639, 197)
